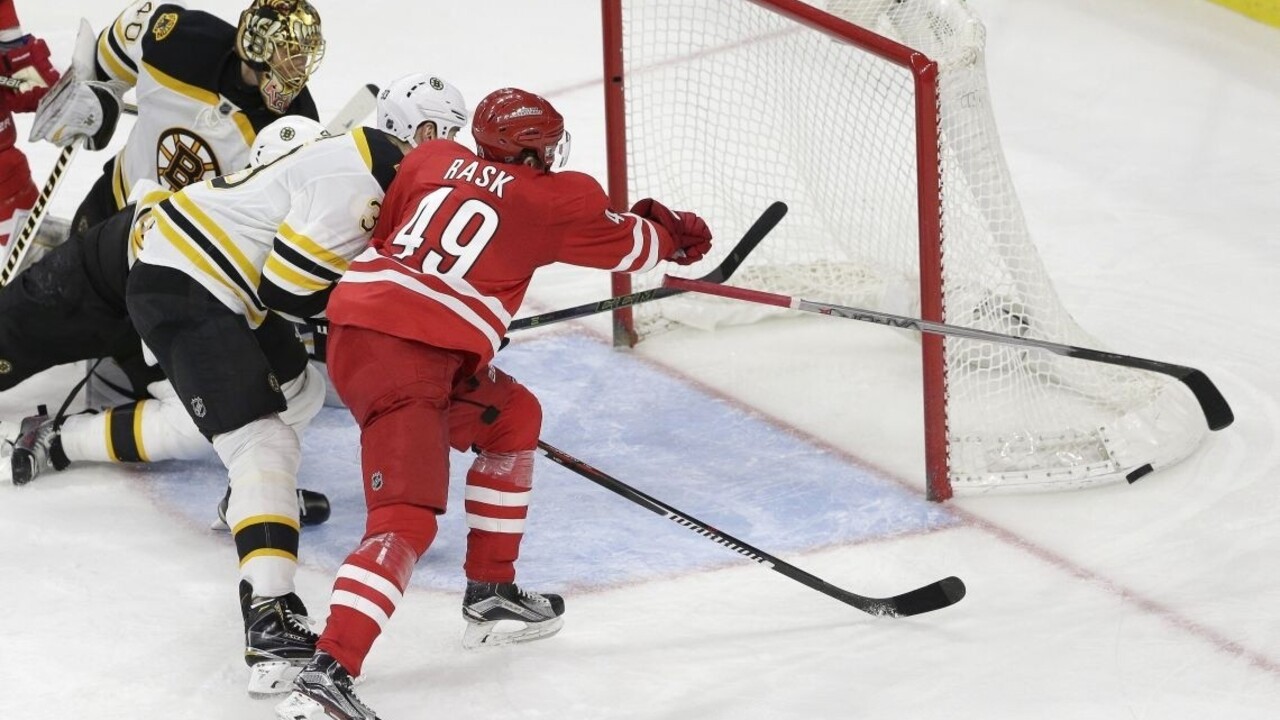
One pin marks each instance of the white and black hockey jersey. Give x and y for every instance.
(276, 237)
(197, 118)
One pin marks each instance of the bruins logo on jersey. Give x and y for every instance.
(164, 25)
(184, 158)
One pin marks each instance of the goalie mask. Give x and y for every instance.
(282, 41)
(414, 99)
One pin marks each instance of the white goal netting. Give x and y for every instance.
(730, 105)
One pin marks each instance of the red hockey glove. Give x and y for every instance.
(25, 65)
(690, 232)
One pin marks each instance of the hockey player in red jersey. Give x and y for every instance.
(216, 262)
(24, 63)
(415, 322)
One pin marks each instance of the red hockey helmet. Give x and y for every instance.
(509, 121)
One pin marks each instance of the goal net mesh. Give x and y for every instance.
(730, 105)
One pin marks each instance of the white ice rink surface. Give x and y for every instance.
(1143, 137)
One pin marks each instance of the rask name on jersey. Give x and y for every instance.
(480, 174)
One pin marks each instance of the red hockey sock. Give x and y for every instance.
(368, 587)
(497, 502)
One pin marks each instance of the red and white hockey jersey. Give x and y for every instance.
(459, 239)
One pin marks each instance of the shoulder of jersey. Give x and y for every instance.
(575, 193)
(380, 153)
(572, 182)
(188, 45)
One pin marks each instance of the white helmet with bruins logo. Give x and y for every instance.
(414, 99)
(281, 136)
(282, 40)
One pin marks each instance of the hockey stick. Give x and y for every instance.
(361, 104)
(22, 241)
(934, 596)
(761, 227)
(719, 274)
(1217, 413)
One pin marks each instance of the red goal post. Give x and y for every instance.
(871, 119)
(925, 75)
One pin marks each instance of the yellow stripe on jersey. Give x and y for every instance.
(246, 128)
(119, 184)
(197, 258)
(312, 249)
(195, 93)
(135, 242)
(142, 220)
(247, 269)
(151, 199)
(362, 144)
(114, 65)
(277, 269)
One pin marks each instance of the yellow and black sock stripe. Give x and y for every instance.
(266, 536)
(124, 433)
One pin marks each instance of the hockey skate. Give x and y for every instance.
(313, 509)
(323, 691)
(486, 606)
(37, 447)
(278, 640)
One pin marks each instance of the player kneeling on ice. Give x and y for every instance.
(414, 323)
(221, 258)
(70, 306)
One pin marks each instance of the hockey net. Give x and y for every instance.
(900, 200)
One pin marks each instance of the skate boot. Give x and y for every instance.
(38, 446)
(323, 691)
(278, 640)
(313, 509)
(487, 604)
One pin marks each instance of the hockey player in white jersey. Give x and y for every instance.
(221, 257)
(204, 89)
(71, 307)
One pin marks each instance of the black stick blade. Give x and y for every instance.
(769, 219)
(944, 593)
(1216, 410)
(934, 596)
